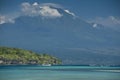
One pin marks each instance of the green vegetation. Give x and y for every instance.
(20, 56)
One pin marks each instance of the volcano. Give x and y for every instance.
(63, 34)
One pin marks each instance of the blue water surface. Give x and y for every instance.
(36, 72)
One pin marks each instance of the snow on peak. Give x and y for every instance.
(36, 9)
(47, 10)
(67, 11)
(44, 9)
(35, 4)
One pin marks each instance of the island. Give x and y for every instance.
(16, 56)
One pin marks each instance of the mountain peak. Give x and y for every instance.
(35, 4)
(50, 10)
(44, 10)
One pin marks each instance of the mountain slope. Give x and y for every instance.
(67, 31)
(57, 34)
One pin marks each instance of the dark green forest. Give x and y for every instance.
(9, 56)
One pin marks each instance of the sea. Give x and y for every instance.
(37, 72)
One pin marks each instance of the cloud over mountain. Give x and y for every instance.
(49, 12)
(45, 10)
(36, 9)
(109, 21)
(5, 19)
(48, 27)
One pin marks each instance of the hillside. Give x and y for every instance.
(20, 56)
(71, 38)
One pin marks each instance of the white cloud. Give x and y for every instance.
(2, 19)
(29, 9)
(5, 19)
(110, 21)
(35, 4)
(67, 11)
(49, 12)
(94, 25)
(36, 9)
(25, 6)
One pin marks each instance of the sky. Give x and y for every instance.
(83, 8)
(105, 12)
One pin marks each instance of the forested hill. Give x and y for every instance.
(19, 56)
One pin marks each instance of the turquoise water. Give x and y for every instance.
(59, 73)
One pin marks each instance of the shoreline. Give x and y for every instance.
(55, 65)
